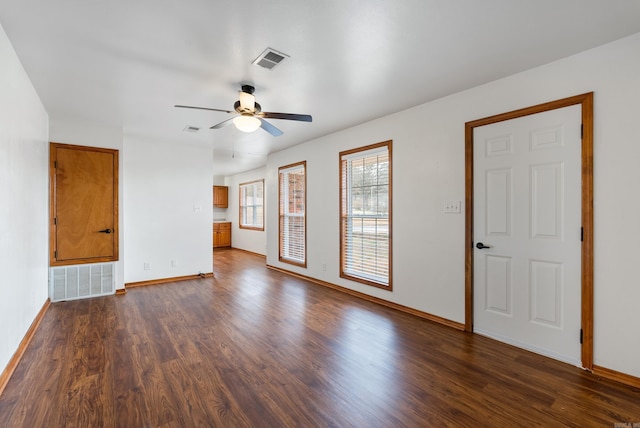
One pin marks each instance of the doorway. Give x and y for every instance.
(521, 286)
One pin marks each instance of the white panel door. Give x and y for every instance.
(527, 211)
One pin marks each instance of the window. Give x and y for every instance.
(252, 205)
(292, 191)
(365, 215)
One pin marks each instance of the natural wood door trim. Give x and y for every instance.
(586, 102)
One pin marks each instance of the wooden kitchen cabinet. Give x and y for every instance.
(221, 234)
(221, 196)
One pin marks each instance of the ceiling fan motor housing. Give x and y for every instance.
(256, 109)
(248, 89)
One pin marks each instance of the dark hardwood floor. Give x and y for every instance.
(257, 348)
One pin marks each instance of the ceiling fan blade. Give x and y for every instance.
(205, 108)
(287, 116)
(223, 123)
(270, 128)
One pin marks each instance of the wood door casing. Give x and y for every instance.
(586, 101)
(83, 204)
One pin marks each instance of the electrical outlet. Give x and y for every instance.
(452, 207)
(324, 267)
(147, 266)
(174, 263)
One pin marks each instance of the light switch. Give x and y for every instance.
(452, 207)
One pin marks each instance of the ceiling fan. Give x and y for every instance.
(251, 115)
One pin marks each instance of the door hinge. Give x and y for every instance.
(581, 336)
(581, 131)
(55, 255)
(55, 221)
(55, 164)
(582, 234)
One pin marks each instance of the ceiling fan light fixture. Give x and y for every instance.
(246, 123)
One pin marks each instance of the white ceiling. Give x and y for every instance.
(125, 63)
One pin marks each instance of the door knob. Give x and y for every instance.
(105, 231)
(481, 246)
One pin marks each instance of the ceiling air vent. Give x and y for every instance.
(269, 58)
(191, 129)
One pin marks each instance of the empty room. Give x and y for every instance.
(319, 214)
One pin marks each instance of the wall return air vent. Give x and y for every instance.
(81, 281)
(270, 58)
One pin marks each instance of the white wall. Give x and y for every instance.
(428, 151)
(168, 199)
(24, 180)
(96, 135)
(245, 239)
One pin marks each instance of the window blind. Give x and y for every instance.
(292, 213)
(252, 205)
(365, 206)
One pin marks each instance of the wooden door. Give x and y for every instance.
(83, 204)
(527, 232)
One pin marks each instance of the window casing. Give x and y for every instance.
(365, 215)
(252, 205)
(292, 196)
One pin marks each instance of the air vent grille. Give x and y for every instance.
(270, 58)
(191, 129)
(80, 282)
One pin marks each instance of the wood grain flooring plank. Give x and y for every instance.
(129, 405)
(254, 347)
(221, 404)
(159, 408)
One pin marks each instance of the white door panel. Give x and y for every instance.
(527, 209)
